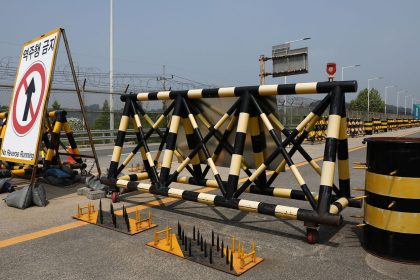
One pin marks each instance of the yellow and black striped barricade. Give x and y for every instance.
(368, 128)
(241, 119)
(392, 208)
(384, 125)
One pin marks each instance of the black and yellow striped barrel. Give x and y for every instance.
(368, 127)
(392, 208)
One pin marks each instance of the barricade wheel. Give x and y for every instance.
(114, 197)
(312, 235)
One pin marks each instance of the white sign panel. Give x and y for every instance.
(30, 93)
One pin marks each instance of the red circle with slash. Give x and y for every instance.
(36, 68)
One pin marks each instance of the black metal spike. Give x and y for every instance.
(185, 243)
(126, 219)
(221, 250)
(193, 232)
(212, 238)
(201, 243)
(123, 210)
(231, 260)
(189, 249)
(205, 248)
(211, 255)
(111, 209)
(217, 241)
(227, 254)
(198, 237)
(179, 229)
(101, 217)
(182, 237)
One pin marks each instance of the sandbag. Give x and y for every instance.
(5, 186)
(39, 196)
(57, 173)
(20, 199)
(94, 183)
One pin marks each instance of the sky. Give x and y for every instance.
(219, 42)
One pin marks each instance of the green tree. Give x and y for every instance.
(375, 101)
(56, 106)
(102, 122)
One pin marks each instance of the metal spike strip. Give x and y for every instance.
(221, 250)
(205, 248)
(231, 260)
(101, 215)
(227, 254)
(185, 243)
(263, 90)
(182, 237)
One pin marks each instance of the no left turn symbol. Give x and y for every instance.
(28, 99)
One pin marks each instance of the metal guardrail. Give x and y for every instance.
(106, 136)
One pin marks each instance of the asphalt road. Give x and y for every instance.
(91, 252)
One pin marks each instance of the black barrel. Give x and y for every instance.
(392, 208)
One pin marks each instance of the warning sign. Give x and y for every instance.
(30, 93)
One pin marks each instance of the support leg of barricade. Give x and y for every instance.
(238, 148)
(171, 142)
(343, 155)
(330, 152)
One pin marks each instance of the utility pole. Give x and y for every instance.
(111, 69)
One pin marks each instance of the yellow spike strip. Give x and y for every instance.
(233, 244)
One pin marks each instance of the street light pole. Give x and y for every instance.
(398, 99)
(345, 67)
(405, 104)
(111, 68)
(368, 89)
(386, 88)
